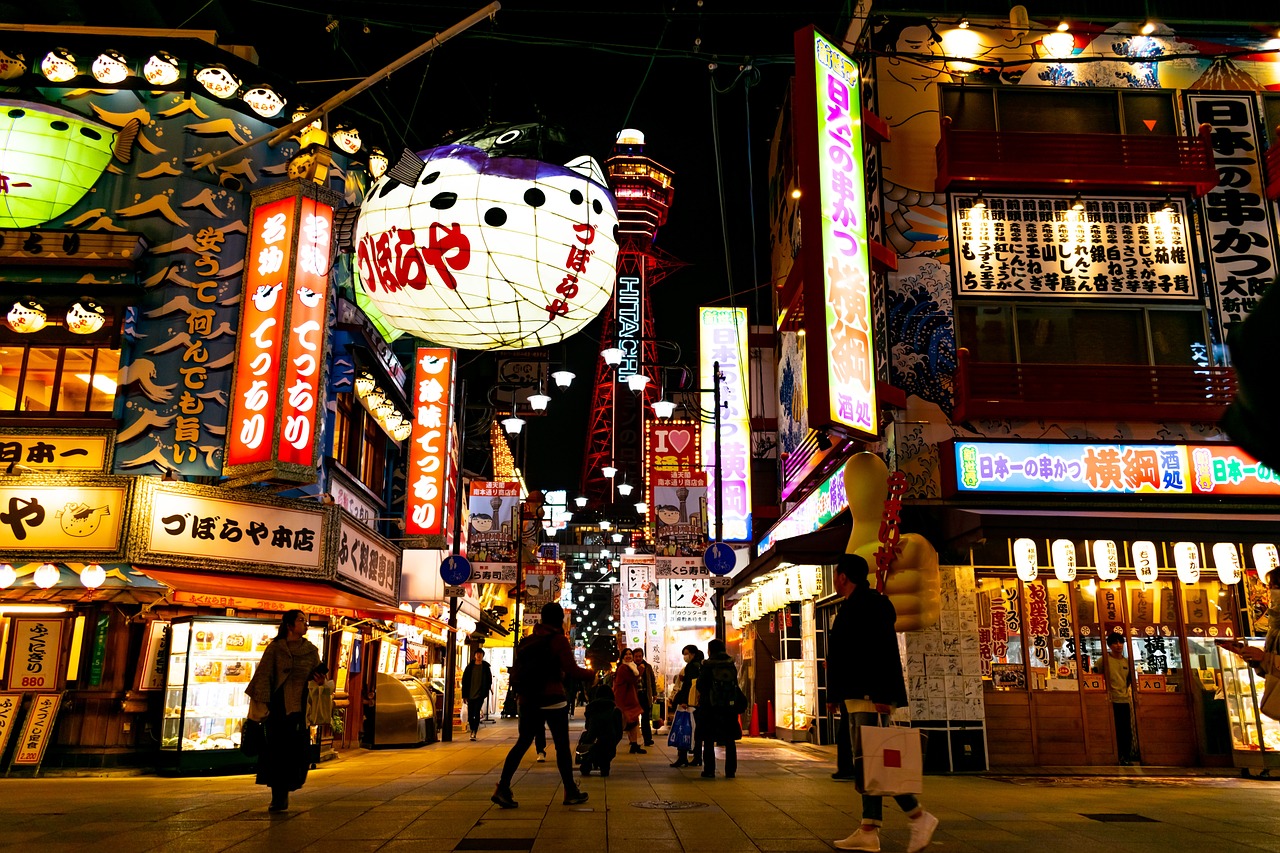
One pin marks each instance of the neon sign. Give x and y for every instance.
(723, 339)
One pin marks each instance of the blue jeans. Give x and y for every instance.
(873, 807)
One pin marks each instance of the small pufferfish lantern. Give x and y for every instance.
(485, 252)
(913, 584)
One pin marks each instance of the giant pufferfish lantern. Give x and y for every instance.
(484, 252)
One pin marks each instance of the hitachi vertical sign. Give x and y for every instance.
(629, 305)
(723, 338)
(275, 405)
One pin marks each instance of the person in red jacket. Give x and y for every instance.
(626, 685)
(543, 660)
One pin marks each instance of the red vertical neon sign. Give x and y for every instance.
(427, 466)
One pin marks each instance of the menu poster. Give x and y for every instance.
(9, 705)
(1109, 597)
(38, 729)
(155, 654)
(36, 663)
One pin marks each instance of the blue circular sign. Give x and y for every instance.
(456, 569)
(719, 559)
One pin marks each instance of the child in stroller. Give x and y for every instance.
(601, 732)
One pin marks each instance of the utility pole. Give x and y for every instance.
(451, 644)
(719, 492)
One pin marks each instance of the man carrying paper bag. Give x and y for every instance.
(864, 676)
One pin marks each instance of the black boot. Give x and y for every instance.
(574, 796)
(636, 749)
(502, 796)
(279, 800)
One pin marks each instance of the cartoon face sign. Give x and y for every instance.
(668, 514)
(481, 523)
(482, 253)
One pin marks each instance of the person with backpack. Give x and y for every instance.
(601, 732)
(544, 659)
(720, 701)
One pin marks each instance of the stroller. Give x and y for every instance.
(600, 735)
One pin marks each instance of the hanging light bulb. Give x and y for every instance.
(609, 471)
(1060, 44)
(605, 524)
(513, 425)
(7, 575)
(218, 81)
(47, 575)
(629, 551)
(564, 378)
(1077, 203)
(581, 501)
(1026, 559)
(637, 381)
(642, 507)
(365, 383)
(538, 402)
(93, 576)
(664, 408)
(979, 202)
(625, 489)
(612, 356)
(378, 163)
(110, 67)
(616, 537)
(161, 69)
(59, 65)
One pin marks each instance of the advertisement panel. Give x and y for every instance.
(680, 522)
(36, 660)
(491, 531)
(723, 339)
(424, 505)
(45, 518)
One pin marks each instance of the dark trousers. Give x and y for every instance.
(474, 707)
(844, 745)
(1124, 730)
(646, 725)
(730, 757)
(530, 726)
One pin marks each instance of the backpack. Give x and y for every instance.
(536, 667)
(720, 682)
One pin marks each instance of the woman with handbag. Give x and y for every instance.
(278, 699)
(692, 663)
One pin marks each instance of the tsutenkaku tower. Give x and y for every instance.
(643, 190)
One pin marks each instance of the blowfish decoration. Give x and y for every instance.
(488, 253)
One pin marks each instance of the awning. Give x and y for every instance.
(819, 548)
(968, 525)
(213, 589)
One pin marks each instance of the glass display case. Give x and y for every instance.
(794, 691)
(1255, 739)
(403, 713)
(211, 661)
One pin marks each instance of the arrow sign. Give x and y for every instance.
(455, 569)
(719, 559)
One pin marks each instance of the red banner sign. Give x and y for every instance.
(428, 468)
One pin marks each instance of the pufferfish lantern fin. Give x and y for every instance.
(588, 168)
(408, 169)
(125, 137)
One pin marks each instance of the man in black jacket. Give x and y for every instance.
(864, 678)
(477, 681)
(646, 689)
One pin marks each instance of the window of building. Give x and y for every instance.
(56, 381)
(359, 444)
(1068, 334)
(1048, 110)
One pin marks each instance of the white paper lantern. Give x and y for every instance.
(1265, 559)
(485, 253)
(1226, 557)
(1106, 559)
(46, 576)
(1144, 561)
(1186, 559)
(93, 576)
(1063, 552)
(7, 575)
(1026, 559)
(161, 69)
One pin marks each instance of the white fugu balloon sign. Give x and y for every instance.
(484, 253)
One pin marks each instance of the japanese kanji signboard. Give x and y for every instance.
(427, 469)
(1237, 217)
(67, 450)
(37, 730)
(491, 531)
(1030, 246)
(60, 517)
(1103, 468)
(36, 660)
(680, 522)
(275, 405)
(366, 561)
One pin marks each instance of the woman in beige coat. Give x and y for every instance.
(278, 698)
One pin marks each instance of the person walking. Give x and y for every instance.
(278, 698)
(693, 658)
(864, 676)
(720, 701)
(477, 681)
(543, 662)
(646, 691)
(1119, 678)
(626, 679)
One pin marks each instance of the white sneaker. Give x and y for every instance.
(862, 839)
(473, 735)
(921, 832)
(542, 756)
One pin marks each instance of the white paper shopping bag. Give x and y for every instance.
(892, 762)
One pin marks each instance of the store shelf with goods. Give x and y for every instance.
(1255, 738)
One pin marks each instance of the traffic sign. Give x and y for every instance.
(456, 569)
(721, 583)
(719, 558)
(452, 591)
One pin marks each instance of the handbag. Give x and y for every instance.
(681, 736)
(892, 761)
(1269, 705)
(253, 737)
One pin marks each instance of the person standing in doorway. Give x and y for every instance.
(544, 660)
(477, 681)
(864, 676)
(1119, 690)
(646, 690)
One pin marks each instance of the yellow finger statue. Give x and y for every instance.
(912, 581)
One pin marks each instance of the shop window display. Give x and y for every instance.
(1000, 634)
(1153, 642)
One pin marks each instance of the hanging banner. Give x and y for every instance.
(153, 657)
(543, 584)
(9, 705)
(491, 531)
(1237, 215)
(723, 339)
(638, 588)
(680, 522)
(669, 445)
(1029, 245)
(1102, 468)
(426, 513)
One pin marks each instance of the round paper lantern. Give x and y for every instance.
(1227, 560)
(47, 575)
(1106, 559)
(1186, 559)
(93, 576)
(7, 575)
(1063, 554)
(488, 253)
(1144, 561)
(1026, 559)
(1265, 559)
(161, 69)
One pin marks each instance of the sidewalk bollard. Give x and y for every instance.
(754, 730)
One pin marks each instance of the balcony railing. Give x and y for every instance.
(978, 159)
(1078, 392)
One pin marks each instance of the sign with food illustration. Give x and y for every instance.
(44, 518)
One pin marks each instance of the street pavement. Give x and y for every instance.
(437, 799)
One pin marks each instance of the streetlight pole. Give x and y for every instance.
(451, 643)
(719, 492)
